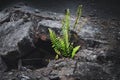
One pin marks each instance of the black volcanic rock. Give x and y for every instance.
(24, 37)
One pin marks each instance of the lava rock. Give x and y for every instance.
(4, 16)
(12, 35)
(91, 71)
(24, 32)
(72, 69)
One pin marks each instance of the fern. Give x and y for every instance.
(62, 45)
(79, 13)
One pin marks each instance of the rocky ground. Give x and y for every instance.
(26, 52)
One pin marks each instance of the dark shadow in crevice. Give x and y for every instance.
(38, 57)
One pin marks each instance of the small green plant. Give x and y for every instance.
(62, 45)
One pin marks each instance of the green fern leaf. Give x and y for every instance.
(52, 36)
(74, 51)
(79, 13)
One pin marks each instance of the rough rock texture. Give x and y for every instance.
(24, 34)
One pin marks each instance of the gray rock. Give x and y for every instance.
(62, 68)
(20, 29)
(91, 71)
(4, 16)
(91, 55)
(50, 23)
(12, 35)
(72, 69)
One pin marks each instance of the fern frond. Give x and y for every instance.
(62, 45)
(74, 51)
(79, 13)
(52, 36)
(65, 30)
